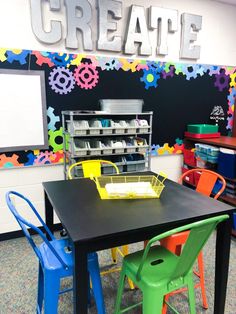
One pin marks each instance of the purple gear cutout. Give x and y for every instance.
(213, 69)
(60, 60)
(221, 80)
(170, 73)
(61, 80)
(21, 57)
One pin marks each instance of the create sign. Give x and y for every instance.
(109, 14)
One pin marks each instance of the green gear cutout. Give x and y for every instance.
(52, 139)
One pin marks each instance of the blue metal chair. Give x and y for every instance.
(55, 261)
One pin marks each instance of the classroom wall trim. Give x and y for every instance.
(178, 93)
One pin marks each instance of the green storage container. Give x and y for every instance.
(202, 128)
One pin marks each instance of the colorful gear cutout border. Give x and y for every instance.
(86, 76)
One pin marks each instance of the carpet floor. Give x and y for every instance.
(18, 282)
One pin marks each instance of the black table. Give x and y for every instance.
(94, 224)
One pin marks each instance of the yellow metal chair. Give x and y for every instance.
(92, 169)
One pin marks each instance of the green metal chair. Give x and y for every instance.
(157, 271)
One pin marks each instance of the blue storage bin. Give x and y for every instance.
(234, 221)
(227, 163)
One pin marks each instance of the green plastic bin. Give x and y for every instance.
(202, 128)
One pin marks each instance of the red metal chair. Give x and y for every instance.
(206, 182)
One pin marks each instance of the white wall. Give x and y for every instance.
(217, 40)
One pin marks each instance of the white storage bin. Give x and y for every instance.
(118, 146)
(106, 147)
(119, 126)
(95, 127)
(141, 144)
(79, 147)
(95, 147)
(143, 126)
(130, 145)
(132, 126)
(78, 127)
(121, 105)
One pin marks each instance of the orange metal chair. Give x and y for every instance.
(205, 181)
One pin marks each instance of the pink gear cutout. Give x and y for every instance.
(42, 60)
(86, 76)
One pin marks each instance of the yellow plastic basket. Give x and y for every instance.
(130, 187)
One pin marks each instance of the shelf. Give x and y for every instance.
(103, 113)
(88, 138)
(222, 141)
(108, 135)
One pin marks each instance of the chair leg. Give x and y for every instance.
(40, 290)
(191, 295)
(93, 268)
(51, 293)
(120, 291)
(114, 254)
(152, 302)
(202, 280)
(164, 309)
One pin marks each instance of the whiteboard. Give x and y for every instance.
(23, 114)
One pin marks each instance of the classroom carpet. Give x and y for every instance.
(18, 282)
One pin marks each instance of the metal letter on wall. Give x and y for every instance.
(165, 20)
(137, 32)
(114, 8)
(55, 34)
(190, 22)
(82, 23)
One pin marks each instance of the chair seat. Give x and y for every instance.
(51, 262)
(159, 263)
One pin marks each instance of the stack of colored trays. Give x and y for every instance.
(206, 155)
(202, 131)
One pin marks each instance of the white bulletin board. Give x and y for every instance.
(23, 114)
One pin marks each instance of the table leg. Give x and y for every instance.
(222, 264)
(48, 212)
(80, 280)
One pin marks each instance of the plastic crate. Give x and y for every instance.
(106, 147)
(130, 145)
(94, 147)
(143, 126)
(189, 178)
(95, 127)
(78, 127)
(118, 146)
(141, 144)
(119, 126)
(189, 157)
(202, 128)
(227, 163)
(121, 105)
(132, 126)
(78, 147)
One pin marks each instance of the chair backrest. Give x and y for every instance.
(199, 233)
(91, 168)
(207, 180)
(24, 224)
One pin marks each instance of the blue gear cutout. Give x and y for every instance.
(109, 63)
(178, 141)
(31, 158)
(157, 67)
(21, 57)
(61, 60)
(213, 69)
(188, 72)
(201, 70)
(146, 80)
(154, 150)
(231, 97)
(53, 119)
